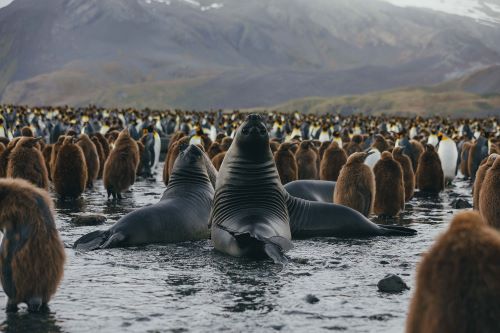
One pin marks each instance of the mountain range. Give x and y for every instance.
(236, 54)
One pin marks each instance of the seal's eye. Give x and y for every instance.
(245, 131)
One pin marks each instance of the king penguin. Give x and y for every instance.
(448, 154)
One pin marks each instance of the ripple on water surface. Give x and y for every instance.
(189, 287)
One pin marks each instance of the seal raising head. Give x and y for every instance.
(250, 216)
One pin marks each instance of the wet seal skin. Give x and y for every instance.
(254, 216)
(181, 215)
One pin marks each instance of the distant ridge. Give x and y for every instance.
(230, 53)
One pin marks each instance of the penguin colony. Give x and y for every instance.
(378, 163)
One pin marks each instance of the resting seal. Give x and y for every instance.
(312, 190)
(181, 215)
(253, 215)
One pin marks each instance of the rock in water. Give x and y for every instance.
(311, 299)
(460, 204)
(89, 219)
(392, 284)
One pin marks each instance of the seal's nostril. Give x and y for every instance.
(254, 117)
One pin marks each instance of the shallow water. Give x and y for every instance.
(189, 287)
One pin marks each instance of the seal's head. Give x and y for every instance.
(252, 138)
(191, 157)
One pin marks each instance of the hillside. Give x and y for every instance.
(229, 53)
(477, 94)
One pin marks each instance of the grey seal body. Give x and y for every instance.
(250, 216)
(181, 215)
(312, 190)
(253, 214)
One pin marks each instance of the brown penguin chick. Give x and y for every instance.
(4, 156)
(214, 149)
(355, 186)
(69, 173)
(100, 153)
(175, 137)
(219, 137)
(218, 159)
(2, 148)
(474, 155)
(121, 167)
(172, 156)
(26, 131)
(332, 162)
(307, 160)
(408, 174)
(481, 173)
(295, 147)
(141, 148)
(112, 136)
(417, 149)
(489, 196)
(457, 284)
(4, 140)
(390, 190)
(354, 145)
(286, 163)
(495, 148)
(104, 144)
(429, 175)
(91, 158)
(53, 157)
(47, 153)
(274, 146)
(324, 146)
(380, 143)
(226, 143)
(206, 142)
(464, 166)
(26, 162)
(32, 253)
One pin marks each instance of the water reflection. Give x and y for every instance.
(30, 322)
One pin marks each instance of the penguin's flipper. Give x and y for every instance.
(92, 241)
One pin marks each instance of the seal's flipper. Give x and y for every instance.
(394, 230)
(113, 241)
(318, 219)
(275, 253)
(273, 247)
(92, 241)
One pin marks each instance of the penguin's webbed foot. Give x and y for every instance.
(35, 304)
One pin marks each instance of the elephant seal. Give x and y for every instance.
(253, 215)
(181, 215)
(249, 216)
(312, 190)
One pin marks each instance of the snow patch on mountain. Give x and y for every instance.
(192, 3)
(484, 11)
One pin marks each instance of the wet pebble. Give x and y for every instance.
(460, 204)
(311, 299)
(88, 219)
(392, 284)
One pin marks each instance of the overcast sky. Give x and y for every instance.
(4, 3)
(471, 8)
